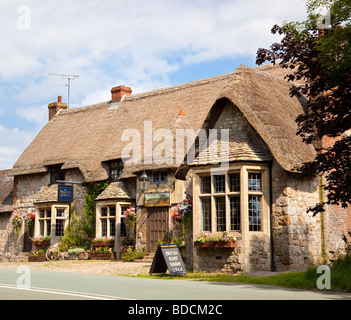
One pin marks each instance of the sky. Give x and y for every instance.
(143, 44)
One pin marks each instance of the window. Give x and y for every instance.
(56, 174)
(44, 222)
(255, 201)
(60, 222)
(116, 168)
(206, 214)
(221, 201)
(217, 201)
(159, 177)
(108, 222)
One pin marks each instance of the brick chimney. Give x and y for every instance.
(119, 92)
(56, 107)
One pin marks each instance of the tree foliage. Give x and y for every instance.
(318, 51)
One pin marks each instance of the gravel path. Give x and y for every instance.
(85, 266)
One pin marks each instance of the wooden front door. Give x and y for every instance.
(157, 227)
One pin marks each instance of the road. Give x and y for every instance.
(44, 285)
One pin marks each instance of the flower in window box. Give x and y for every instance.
(41, 241)
(104, 242)
(223, 240)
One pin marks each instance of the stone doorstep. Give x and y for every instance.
(146, 259)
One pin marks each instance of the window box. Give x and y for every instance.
(36, 259)
(215, 244)
(103, 256)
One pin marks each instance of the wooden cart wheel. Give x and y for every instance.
(52, 253)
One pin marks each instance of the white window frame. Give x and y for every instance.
(244, 170)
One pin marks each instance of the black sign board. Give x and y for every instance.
(65, 194)
(168, 257)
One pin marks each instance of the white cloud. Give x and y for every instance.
(13, 142)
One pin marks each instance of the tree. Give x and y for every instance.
(318, 51)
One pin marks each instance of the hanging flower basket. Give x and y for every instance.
(130, 217)
(16, 222)
(29, 220)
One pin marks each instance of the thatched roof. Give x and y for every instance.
(6, 191)
(87, 137)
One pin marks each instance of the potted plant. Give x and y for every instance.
(223, 240)
(37, 256)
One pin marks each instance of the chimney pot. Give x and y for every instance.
(56, 107)
(119, 92)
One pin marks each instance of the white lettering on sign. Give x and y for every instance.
(171, 253)
(175, 264)
(173, 258)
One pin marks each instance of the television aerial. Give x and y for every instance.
(68, 77)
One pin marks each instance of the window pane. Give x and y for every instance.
(123, 228)
(41, 214)
(234, 182)
(163, 177)
(103, 212)
(219, 183)
(104, 227)
(220, 213)
(112, 211)
(41, 227)
(255, 181)
(206, 185)
(60, 227)
(206, 214)
(255, 213)
(235, 219)
(48, 213)
(48, 228)
(60, 213)
(112, 227)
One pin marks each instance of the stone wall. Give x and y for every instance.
(296, 233)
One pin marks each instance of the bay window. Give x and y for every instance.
(234, 201)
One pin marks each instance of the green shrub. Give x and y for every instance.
(132, 254)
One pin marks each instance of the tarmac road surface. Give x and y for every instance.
(29, 284)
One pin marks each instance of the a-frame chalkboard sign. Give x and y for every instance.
(168, 257)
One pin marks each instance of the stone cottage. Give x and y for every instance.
(228, 142)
